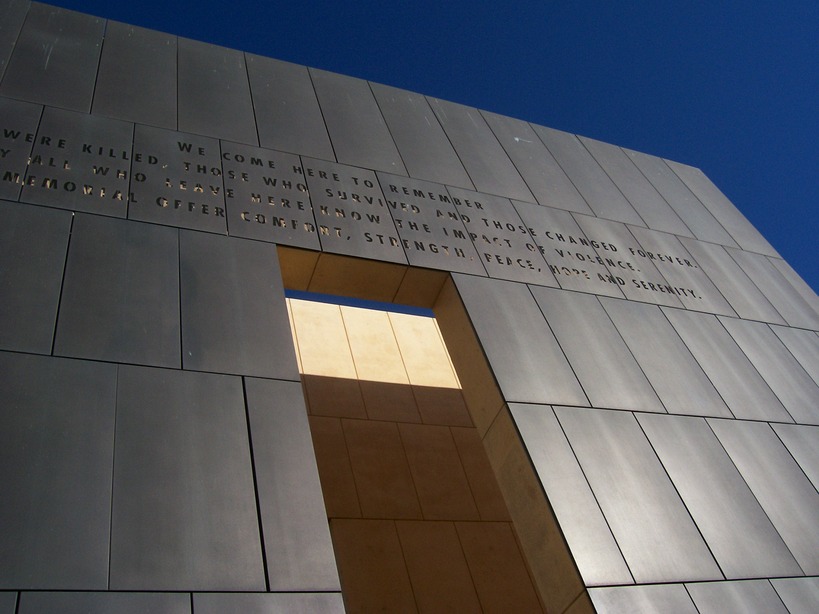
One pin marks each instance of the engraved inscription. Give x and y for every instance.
(501, 238)
(351, 212)
(177, 180)
(429, 227)
(80, 162)
(267, 197)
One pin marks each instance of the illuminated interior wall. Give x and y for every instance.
(638, 362)
(415, 512)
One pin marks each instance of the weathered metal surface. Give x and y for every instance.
(102, 602)
(490, 169)
(679, 381)
(590, 180)
(288, 117)
(357, 129)
(184, 511)
(234, 318)
(541, 172)
(57, 442)
(299, 553)
(652, 208)
(601, 360)
(137, 78)
(33, 243)
(55, 59)
(592, 545)
(735, 527)
(746, 236)
(120, 296)
(748, 596)
(733, 375)
(424, 147)
(637, 498)
(778, 483)
(214, 94)
(524, 355)
(649, 599)
(18, 128)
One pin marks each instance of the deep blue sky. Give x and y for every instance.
(731, 87)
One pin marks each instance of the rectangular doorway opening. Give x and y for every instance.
(417, 519)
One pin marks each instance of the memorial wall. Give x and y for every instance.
(639, 363)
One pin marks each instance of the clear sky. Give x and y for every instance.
(731, 87)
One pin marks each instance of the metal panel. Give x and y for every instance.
(8, 602)
(681, 271)
(247, 603)
(357, 129)
(782, 489)
(748, 596)
(214, 92)
(14, 13)
(592, 545)
(56, 450)
(287, 111)
(783, 296)
(18, 125)
(600, 359)
(645, 199)
(120, 298)
(104, 603)
(797, 282)
(740, 292)
(804, 345)
(543, 175)
(636, 275)
(267, 197)
(691, 211)
(137, 76)
(572, 258)
(351, 212)
(723, 209)
(800, 595)
(424, 147)
(177, 180)
(733, 375)
(789, 381)
(429, 226)
(652, 599)
(55, 59)
(234, 318)
(483, 157)
(33, 243)
(184, 511)
(648, 520)
(80, 162)
(522, 351)
(590, 180)
(294, 522)
(681, 384)
(507, 249)
(803, 444)
(736, 529)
